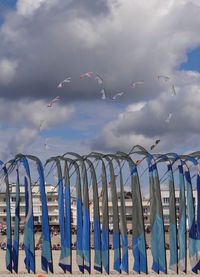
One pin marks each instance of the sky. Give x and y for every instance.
(124, 41)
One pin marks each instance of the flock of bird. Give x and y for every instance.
(104, 95)
(100, 82)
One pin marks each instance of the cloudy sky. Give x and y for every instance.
(124, 41)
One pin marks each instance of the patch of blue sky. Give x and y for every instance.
(193, 61)
(5, 5)
(1, 20)
(70, 133)
(4, 127)
(10, 3)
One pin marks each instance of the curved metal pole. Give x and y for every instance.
(138, 230)
(68, 238)
(8, 221)
(29, 242)
(123, 223)
(105, 215)
(79, 230)
(86, 214)
(156, 215)
(96, 219)
(173, 244)
(182, 257)
(62, 218)
(116, 235)
(46, 254)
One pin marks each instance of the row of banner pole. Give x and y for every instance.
(83, 170)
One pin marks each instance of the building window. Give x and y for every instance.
(49, 199)
(145, 210)
(36, 209)
(166, 218)
(166, 200)
(177, 199)
(22, 209)
(22, 198)
(4, 210)
(4, 200)
(73, 202)
(13, 199)
(36, 218)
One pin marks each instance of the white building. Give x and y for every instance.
(53, 212)
(52, 205)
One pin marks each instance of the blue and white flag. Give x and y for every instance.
(15, 251)
(156, 219)
(8, 221)
(138, 233)
(29, 244)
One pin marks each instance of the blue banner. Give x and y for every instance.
(46, 255)
(138, 234)
(156, 219)
(173, 263)
(8, 221)
(15, 252)
(29, 244)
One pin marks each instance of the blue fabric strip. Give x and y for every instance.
(15, 252)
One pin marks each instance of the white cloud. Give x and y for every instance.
(136, 107)
(144, 126)
(29, 7)
(118, 42)
(7, 70)
(28, 112)
(124, 41)
(22, 141)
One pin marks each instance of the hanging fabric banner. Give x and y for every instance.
(156, 219)
(62, 262)
(46, 255)
(83, 217)
(115, 218)
(8, 221)
(68, 239)
(123, 223)
(182, 261)
(105, 219)
(86, 220)
(198, 202)
(138, 233)
(29, 244)
(79, 232)
(96, 220)
(173, 263)
(193, 243)
(15, 251)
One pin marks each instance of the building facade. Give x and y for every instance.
(53, 212)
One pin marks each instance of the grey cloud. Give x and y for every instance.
(22, 141)
(27, 113)
(148, 124)
(79, 36)
(123, 41)
(48, 49)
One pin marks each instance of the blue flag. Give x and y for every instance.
(15, 252)
(29, 245)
